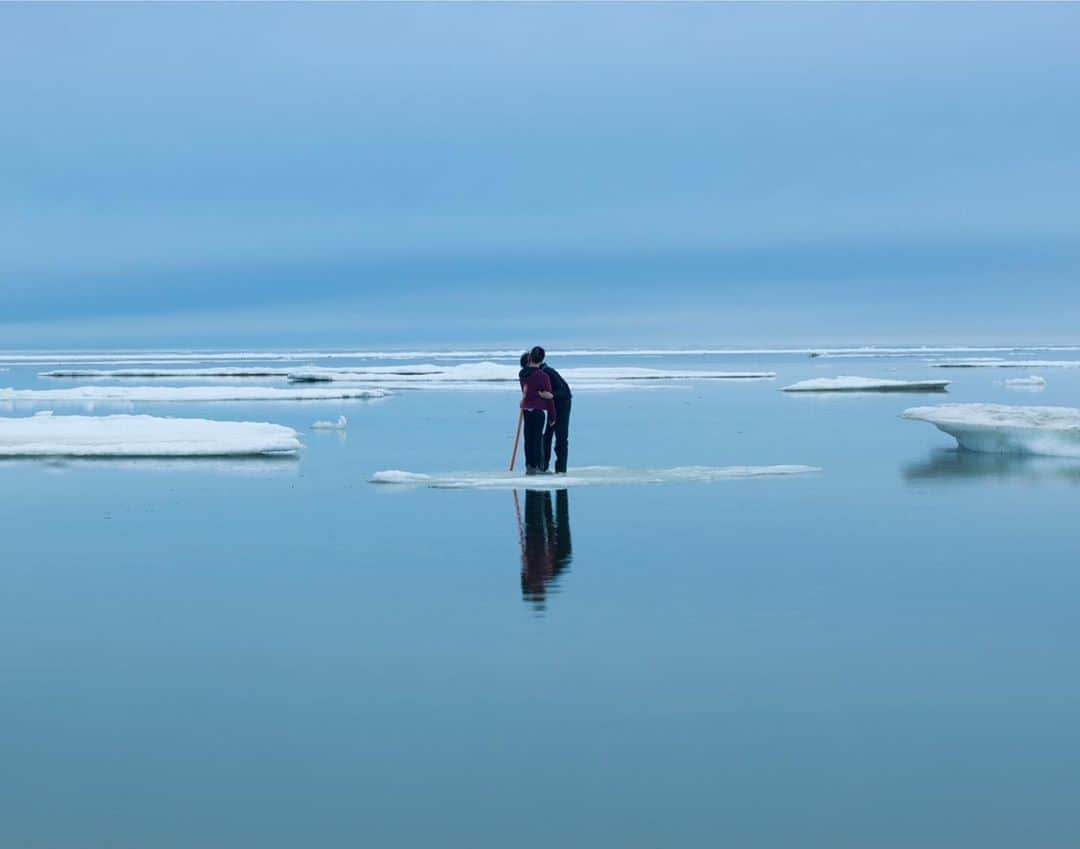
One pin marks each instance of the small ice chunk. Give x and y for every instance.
(338, 425)
(1026, 382)
(586, 476)
(866, 384)
(140, 436)
(1004, 429)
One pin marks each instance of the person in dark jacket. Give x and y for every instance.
(536, 401)
(558, 430)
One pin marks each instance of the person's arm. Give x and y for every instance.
(546, 394)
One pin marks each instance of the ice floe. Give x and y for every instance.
(340, 424)
(189, 393)
(918, 350)
(140, 436)
(866, 384)
(221, 371)
(989, 362)
(1034, 382)
(483, 372)
(586, 476)
(1004, 429)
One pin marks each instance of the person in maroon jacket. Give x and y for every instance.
(536, 400)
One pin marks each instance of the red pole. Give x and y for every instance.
(517, 437)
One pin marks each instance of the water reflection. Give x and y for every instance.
(546, 550)
(958, 464)
(254, 465)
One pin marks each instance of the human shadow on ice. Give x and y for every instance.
(953, 464)
(546, 550)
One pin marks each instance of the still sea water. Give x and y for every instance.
(276, 653)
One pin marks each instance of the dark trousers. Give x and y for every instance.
(534, 438)
(559, 434)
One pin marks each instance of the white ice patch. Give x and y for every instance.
(866, 384)
(340, 424)
(1003, 429)
(586, 476)
(127, 394)
(482, 372)
(140, 436)
(1032, 382)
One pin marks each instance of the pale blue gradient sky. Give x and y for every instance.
(609, 174)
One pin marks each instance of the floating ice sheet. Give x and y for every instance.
(987, 362)
(190, 393)
(866, 384)
(221, 371)
(586, 476)
(140, 436)
(502, 373)
(1004, 429)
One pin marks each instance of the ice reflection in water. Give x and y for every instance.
(959, 464)
(546, 549)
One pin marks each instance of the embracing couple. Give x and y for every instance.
(543, 392)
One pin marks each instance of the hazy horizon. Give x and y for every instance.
(589, 175)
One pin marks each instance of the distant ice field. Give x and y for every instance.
(57, 357)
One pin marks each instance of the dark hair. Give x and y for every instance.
(537, 354)
(525, 359)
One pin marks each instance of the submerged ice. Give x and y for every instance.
(46, 435)
(340, 424)
(586, 476)
(1004, 429)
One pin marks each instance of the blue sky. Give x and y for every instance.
(333, 174)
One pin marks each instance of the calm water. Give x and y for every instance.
(278, 654)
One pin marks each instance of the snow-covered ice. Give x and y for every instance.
(503, 373)
(866, 384)
(340, 424)
(586, 476)
(140, 436)
(1004, 429)
(190, 393)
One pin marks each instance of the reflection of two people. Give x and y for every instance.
(546, 551)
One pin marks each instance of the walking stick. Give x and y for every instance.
(517, 437)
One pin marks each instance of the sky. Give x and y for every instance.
(342, 175)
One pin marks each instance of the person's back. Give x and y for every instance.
(559, 387)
